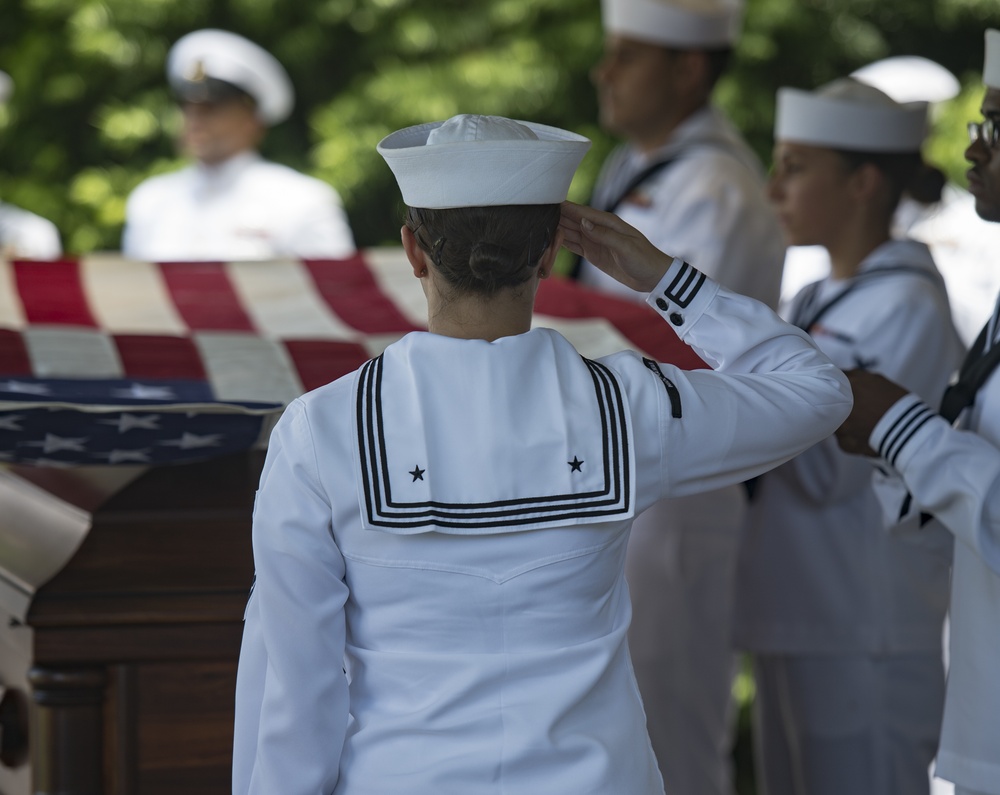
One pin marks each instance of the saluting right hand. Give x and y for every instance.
(618, 249)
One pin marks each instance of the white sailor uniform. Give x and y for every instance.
(956, 477)
(707, 205)
(244, 209)
(439, 539)
(26, 235)
(845, 619)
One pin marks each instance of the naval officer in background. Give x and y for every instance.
(24, 235)
(689, 182)
(231, 204)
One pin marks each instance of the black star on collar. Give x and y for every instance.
(418, 473)
(575, 464)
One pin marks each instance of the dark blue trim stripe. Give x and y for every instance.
(382, 510)
(685, 286)
(903, 429)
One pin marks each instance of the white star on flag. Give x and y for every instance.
(53, 444)
(192, 441)
(11, 422)
(121, 456)
(24, 387)
(145, 392)
(148, 422)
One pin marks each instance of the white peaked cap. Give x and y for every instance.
(482, 161)
(6, 87)
(847, 114)
(675, 23)
(991, 66)
(910, 78)
(224, 56)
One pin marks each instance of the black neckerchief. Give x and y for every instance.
(806, 315)
(651, 170)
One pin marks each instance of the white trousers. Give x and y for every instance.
(835, 724)
(680, 569)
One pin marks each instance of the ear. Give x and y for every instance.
(867, 181)
(549, 256)
(690, 69)
(415, 254)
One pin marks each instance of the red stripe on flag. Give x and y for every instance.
(52, 293)
(319, 362)
(204, 297)
(350, 290)
(638, 323)
(147, 356)
(14, 359)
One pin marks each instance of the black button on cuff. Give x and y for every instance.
(677, 319)
(662, 304)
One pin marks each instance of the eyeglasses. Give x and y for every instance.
(987, 131)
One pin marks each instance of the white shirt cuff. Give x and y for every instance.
(900, 429)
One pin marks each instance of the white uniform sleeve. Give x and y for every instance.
(904, 336)
(772, 395)
(292, 696)
(952, 474)
(135, 233)
(321, 228)
(723, 222)
(25, 235)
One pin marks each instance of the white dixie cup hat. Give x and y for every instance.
(991, 64)
(685, 24)
(482, 161)
(910, 78)
(851, 115)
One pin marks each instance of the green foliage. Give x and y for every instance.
(92, 116)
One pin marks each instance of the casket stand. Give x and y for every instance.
(119, 678)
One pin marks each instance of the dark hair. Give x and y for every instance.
(717, 59)
(485, 249)
(718, 63)
(905, 172)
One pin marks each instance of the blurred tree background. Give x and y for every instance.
(91, 115)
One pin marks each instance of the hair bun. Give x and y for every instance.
(491, 263)
(927, 184)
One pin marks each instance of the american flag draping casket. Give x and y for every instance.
(109, 361)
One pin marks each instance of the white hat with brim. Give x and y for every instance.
(6, 87)
(991, 65)
(226, 57)
(482, 161)
(910, 78)
(713, 24)
(851, 116)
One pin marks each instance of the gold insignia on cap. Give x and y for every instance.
(196, 74)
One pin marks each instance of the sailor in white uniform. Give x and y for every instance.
(843, 618)
(943, 215)
(24, 235)
(953, 474)
(231, 204)
(439, 538)
(690, 183)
